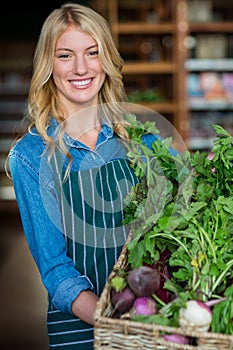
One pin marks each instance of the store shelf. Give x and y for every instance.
(143, 28)
(216, 105)
(149, 68)
(201, 143)
(212, 27)
(163, 107)
(206, 64)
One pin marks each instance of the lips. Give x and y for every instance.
(81, 83)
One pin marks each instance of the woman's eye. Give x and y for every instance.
(93, 53)
(64, 55)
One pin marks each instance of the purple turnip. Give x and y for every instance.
(196, 315)
(176, 338)
(144, 306)
(144, 281)
(123, 300)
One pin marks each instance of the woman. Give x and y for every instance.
(70, 171)
(67, 168)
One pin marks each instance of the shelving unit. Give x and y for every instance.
(210, 75)
(150, 37)
(161, 43)
(15, 69)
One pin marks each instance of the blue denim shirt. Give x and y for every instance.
(38, 204)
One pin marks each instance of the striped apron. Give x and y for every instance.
(92, 208)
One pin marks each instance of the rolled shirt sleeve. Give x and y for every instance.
(40, 214)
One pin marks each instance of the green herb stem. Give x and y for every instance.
(209, 241)
(156, 298)
(165, 235)
(219, 279)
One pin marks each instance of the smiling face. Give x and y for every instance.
(77, 71)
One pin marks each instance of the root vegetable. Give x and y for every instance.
(123, 300)
(144, 306)
(144, 281)
(176, 338)
(196, 315)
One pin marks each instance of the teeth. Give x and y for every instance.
(81, 83)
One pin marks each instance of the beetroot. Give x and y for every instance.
(144, 281)
(162, 266)
(176, 338)
(144, 306)
(123, 300)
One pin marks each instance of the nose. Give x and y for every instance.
(79, 65)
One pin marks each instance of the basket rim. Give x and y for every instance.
(127, 324)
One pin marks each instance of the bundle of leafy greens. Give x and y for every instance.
(183, 205)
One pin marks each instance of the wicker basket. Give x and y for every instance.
(123, 334)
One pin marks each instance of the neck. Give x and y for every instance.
(83, 122)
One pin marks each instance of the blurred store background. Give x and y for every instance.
(178, 62)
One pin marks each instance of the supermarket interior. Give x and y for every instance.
(178, 63)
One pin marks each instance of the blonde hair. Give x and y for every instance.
(43, 102)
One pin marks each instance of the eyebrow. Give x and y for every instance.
(66, 49)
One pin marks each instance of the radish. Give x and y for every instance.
(176, 338)
(123, 300)
(144, 281)
(197, 315)
(144, 306)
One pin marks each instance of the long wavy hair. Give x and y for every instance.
(43, 102)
